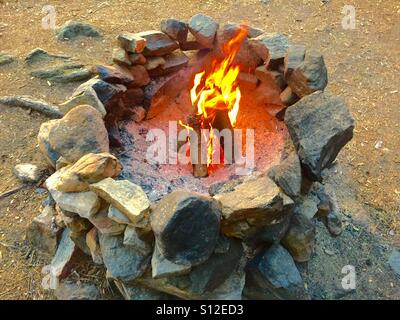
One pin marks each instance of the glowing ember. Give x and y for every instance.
(217, 90)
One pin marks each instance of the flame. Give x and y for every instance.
(218, 89)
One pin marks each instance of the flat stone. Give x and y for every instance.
(91, 168)
(287, 175)
(320, 125)
(394, 261)
(64, 73)
(204, 28)
(133, 291)
(86, 204)
(175, 29)
(137, 58)
(251, 205)
(92, 241)
(104, 224)
(154, 62)
(42, 232)
(105, 91)
(122, 262)
(38, 55)
(114, 74)
(121, 57)
(276, 43)
(79, 132)
(131, 42)
(172, 63)
(300, 238)
(6, 58)
(186, 227)
(87, 97)
(274, 275)
(310, 76)
(124, 195)
(157, 43)
(27, 172)
(161, 267)
(140, 76)
(68, 290)
(71, 30)
(141, 240)
(211, 274)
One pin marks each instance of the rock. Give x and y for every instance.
(154, 62)
(310, 76)
(247, 80)
(77, 291)
(139, 114)
(86, 204)
(223, 244)
(27, 172)
(42, 232)
(79, 132)
(133, 97)
(124, 195)
(288, 97)
(173, 62)
(307, 205)
(175, 29)
(190, 43)
(270, 78)
(204, 28)
(394, 261)
(122, 262)
(140, 76)
(277, 45)
(104, 224)
(253, 204)
(157, 43)
(300, 238)
(137, 292)
(76, 224)
(117, 216)
(92, 241)
(65, 258)
(105, 91)
(137, 58)
(162, 267)
(61, 163)
(294, 58)
(287, 175)
(320, 125)
(71, 30)
(274, 275)
(6, 58)
(131, 42)
(64, 73)
(186, 227)
(91, 168)
(121, 57)
(80, 242)
(87, 97)
(39, 55)
(211, 274)
(114, 74)
(141, 240)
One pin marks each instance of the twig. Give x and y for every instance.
(29, 103)
(10, 192)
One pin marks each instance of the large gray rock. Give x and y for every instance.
(6, 58)
(274, 275)
(122, 262)
(157, 43)
(64, 73)
(277, 45)
(79, 132)
(71, 30)
(300, 238)
(320, 125)
(87, 97)
(42, 232)
(394, 261)
(27, 172)
(251, 205)
(309, 76)
(86, 204)
(294, 58)
(186, 227)
(175, 29)
(114, 74)
(125, 196)
(204, 28)
(139, 239)
(287, 175)
(38, 55)
(68, 290)
(161, 267)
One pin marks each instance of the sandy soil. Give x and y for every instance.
(363, 67)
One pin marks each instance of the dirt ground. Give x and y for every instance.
(363, 66)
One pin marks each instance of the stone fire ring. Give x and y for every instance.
(190, 245)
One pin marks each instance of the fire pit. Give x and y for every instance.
(209, 183)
